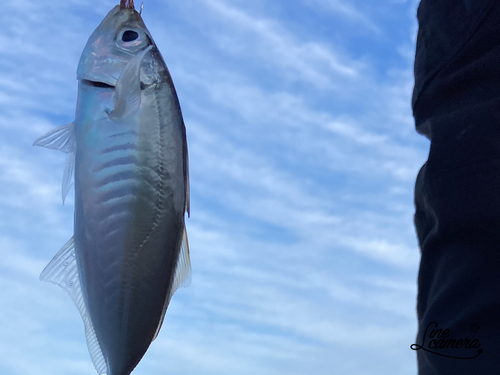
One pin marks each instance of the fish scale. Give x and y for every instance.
(127, 154)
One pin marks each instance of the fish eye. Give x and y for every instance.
(129, 35)
(132, 40)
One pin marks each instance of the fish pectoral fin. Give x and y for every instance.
(182, 277)
(63, 139)
(62, 270)
(128, 88)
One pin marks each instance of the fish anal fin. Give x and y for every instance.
(182, 277)
(63, 271)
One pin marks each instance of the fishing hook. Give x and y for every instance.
(127, 4)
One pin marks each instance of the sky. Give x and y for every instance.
(303, 157)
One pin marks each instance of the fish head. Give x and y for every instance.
(121, 35)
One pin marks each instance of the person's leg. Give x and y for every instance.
(457, 194)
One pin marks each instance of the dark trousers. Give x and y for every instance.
(456, 104)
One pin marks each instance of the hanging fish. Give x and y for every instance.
(127, 156)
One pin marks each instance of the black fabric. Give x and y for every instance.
(456, 104)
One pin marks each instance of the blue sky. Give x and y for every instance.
(303, 159)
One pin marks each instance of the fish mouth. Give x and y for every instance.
(104, 85)
(99, 84)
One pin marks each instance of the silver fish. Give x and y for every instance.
(127, 156)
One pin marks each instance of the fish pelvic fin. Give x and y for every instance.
(63, 139)
(128, 88)
(63, 271)
(182, 276)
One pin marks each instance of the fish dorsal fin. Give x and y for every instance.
(63, 271)
(63, 139)
(182, 276)
(128, 88)
(188, 194)
(183, 269)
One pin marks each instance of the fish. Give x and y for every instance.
(126, 154)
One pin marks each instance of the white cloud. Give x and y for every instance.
(308, 60)
(346, 10)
